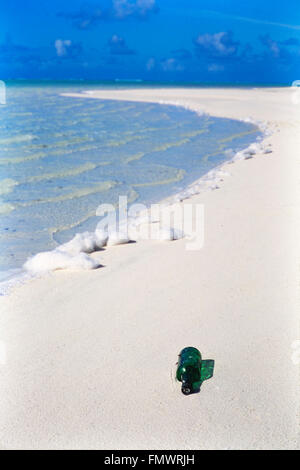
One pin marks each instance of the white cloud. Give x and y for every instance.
(124, 8)
(171, 65)
(61, 46)
(215, 68)
(150, 64)
(271, 45)
(90, 15)
(219, 43)
(118, 46)
(145, 5)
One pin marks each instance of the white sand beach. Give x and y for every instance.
(90, 355)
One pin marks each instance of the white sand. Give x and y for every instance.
(90, 355)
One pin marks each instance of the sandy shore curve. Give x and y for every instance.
(90, 355)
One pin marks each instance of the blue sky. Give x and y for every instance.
(180, 40)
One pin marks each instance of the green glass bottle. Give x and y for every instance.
(189, 369)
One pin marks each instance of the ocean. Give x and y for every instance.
(60, 157)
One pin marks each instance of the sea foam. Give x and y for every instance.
(70, 255)
(74, 254)
(56, 259)
(214, 177)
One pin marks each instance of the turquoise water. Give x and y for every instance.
(61, 157)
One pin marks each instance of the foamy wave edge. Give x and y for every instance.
(74, 254)
(212, 179)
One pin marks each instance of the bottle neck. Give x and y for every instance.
(187, 386)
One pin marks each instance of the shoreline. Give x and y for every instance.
(207, 182)
(241, 303)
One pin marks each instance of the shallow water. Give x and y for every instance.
(61, 157)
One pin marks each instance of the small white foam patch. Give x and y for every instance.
(253, 149)
(52, 260)
(209, 181)
(70, 255)
(86, 242)
(74, 254)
